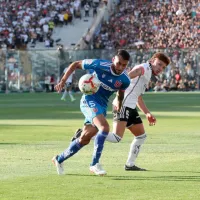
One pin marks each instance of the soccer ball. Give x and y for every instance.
(89, 84)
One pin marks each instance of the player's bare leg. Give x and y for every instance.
(63, 98)
(71, 93)
(87, 133)
(68, 90)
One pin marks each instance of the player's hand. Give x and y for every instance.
(59, 86)
(114, 109)
(117, 108)
(151, 119)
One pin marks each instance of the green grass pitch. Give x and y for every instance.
(35, 127)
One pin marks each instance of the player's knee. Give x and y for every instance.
(105, 128)
(84, 140)
(87, 134)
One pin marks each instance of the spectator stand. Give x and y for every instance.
(44, 63)
(102, 15)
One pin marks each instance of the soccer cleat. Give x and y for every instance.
(73, 99)
(133, 168)
(63, 99)
(77, 134)
(97, 170)
(59, 166)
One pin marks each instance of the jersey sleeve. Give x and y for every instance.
(140, 67)
(89, 64)
(125, 84)
(145, 70)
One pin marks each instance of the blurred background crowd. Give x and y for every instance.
(23, 22)
(151, 24)
(140, 26)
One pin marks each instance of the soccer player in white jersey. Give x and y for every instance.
(68, 87)
(128, 116)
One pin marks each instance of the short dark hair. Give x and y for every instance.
(123, 53)
(162, 57)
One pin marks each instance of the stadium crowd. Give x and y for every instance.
(141, 26)
(24, 21)
(151, 24)
(182, 74)
(147, 25)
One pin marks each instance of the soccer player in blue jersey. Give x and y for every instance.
(114, 78)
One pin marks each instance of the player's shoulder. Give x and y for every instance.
(105, 63)
(99, 62)
(89, 61)
(124, 79)
(125, 75)
(145, 67)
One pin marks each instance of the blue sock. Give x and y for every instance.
(73, 148)
(98, 146)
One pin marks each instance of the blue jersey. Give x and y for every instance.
(110, 82)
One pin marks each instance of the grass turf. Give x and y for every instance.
(34, 127)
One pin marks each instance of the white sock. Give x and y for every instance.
(135, 149)
(64, 94)
(114, 138)
(70, 94)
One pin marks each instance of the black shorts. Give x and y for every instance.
(68, 84)
(128, 115)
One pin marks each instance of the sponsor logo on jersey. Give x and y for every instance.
(110, 80)
(106, 87)
(118, 84)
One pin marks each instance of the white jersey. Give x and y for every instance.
(137, 86)
(69, 80)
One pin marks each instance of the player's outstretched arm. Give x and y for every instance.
(141, 105)
(73, 66)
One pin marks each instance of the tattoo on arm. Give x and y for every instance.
(135, 72)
